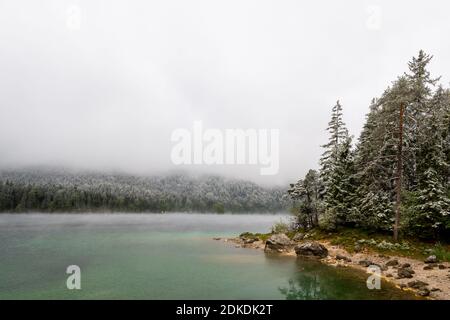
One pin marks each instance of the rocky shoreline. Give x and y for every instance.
(429, 278)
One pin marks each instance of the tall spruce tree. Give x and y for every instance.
(430, 216)
(340, 194)
(338, 133)
(421, 86)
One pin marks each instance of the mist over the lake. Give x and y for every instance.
(102, 85)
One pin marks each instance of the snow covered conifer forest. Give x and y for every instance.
(46, 190)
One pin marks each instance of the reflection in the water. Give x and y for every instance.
(315, 280)
(308, 289)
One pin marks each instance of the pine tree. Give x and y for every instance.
(340, 194)
(420, 89)
(338, 133)
(434, 137)
(432, 213)
(377, 158)
(445, 116)
(429, 217)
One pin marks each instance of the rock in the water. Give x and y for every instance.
(342, 257)
(365, 263)
(442, 267)
(417, 284)
(431, 259)
(311, 249)
(405, 273)
(405, 265)
(392, 263)
(298, 237)
(428, 267)
(278, 242)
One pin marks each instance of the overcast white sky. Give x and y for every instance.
(105, 91)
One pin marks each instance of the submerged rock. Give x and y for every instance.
(278, 242)
(311, 249)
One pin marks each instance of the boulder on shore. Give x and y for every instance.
(298, 237)
(424, 292)
(311, 249)
(431, 259)
(405, 273)
(365, 263)
(278, 242)
(342, 257)
(392, 263)
(417, 284)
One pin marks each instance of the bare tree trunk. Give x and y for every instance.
(398, 183)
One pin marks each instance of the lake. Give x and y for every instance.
(161, 256)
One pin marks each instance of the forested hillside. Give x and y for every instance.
(395, 178)
(55, 191)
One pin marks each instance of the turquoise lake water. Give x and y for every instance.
(160, 256)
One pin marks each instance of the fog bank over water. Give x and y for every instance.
(102, 85)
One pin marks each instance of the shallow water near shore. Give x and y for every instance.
(161, 256)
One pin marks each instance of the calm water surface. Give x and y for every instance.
(155, 256)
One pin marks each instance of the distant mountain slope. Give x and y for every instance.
(47, 190)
